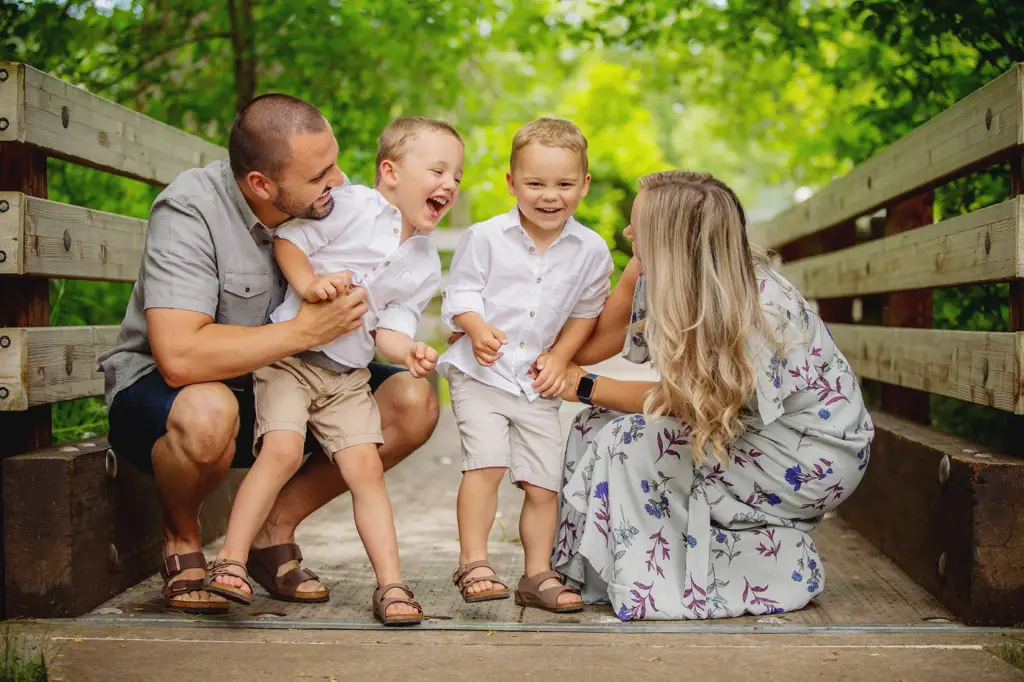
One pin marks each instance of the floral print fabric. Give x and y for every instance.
(644, 527)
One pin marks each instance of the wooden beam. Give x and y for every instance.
(982, 246)
(75, 535)
(448, 238)
(45, 365)
(948, 513)
(978, 367)
(60, 240)
(982, 128)
(71, 123)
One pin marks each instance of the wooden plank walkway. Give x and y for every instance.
(863, 587)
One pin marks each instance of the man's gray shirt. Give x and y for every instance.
(205, 251)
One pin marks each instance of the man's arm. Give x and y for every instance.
(189, 348)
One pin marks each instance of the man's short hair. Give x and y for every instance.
(394, 140)
(550, 132)
(261, 135)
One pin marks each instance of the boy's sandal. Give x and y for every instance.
(264, 564)
(380, 606)
(219, 568)
(463, 582)
(173, 566)
(529, 594)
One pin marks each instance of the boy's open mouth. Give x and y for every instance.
(436, 206)
(549, 211)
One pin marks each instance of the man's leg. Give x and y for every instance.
(408, 412)
(189, 462)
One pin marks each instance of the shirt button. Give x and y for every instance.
(522, 344)
(532, 313)
(532, 249)
(387, 263)
(247, 290)
(395, 230)
(538, 280)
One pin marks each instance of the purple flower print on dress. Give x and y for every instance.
(741, 458)
(658, 508)
(603, 515)
(771, 605)
(796, 477)
(771, 549)
(691, 541)
(567, 537)
(824, 414)
(670, 441)
(834, 491)
(638, 609)
(715, 475)
(760, 496)
(660, 547)
(697, 596)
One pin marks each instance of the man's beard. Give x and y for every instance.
(285, 205)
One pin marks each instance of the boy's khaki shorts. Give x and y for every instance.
(503, 430)
(339, 408)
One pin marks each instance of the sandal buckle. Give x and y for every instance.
(173, 564)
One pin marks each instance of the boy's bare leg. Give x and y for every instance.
(408, 411)
(538, 523)
(280, 457)
(361, 468)
(477, 504)
(189, 462)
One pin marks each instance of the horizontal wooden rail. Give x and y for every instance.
(71, 123)
(448, 238)
(982, 246)
(979, 367)
(44, 365)
(50, 239)
(985, 125)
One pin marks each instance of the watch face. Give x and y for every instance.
(586, 387)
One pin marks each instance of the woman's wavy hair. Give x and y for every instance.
(702, 304)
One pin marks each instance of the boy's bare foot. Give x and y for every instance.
(235, 579)
(483, 585)
(398, 608)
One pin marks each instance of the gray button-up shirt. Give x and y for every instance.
(205, 251)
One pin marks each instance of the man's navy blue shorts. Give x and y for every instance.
(138, 417)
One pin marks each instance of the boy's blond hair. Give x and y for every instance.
(393, 140)
(550, 132)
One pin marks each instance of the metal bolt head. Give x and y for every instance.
(4, 393)
(5, 341)
(110, 462)
(942, 565)
(67, 240)
(65, 116)
(988, 119)
(944, 465)
(988, 243)
(3, 75)
(3, 256)
(4, 123)
(4, 206)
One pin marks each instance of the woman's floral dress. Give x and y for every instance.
(660, 537)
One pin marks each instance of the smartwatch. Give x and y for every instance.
(585, 388)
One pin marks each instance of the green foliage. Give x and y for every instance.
(20, 662)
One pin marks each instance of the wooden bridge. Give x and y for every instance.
(934, 536)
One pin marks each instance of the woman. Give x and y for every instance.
(691, 497)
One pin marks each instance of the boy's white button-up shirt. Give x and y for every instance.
(498, 272)
(363, 234)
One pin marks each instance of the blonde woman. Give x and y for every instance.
(692, 497)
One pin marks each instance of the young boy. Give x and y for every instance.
(531, 281)
(378, 237)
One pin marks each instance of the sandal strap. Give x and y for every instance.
(290, 581)
(178, 587)
(277, 554)
(533, 583)
(176, 563)
(382, 604)
(465, 569)
(492, 578)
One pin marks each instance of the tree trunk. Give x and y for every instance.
(242, 38)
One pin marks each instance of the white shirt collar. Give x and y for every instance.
(514, 219)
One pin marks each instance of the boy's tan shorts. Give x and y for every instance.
(339, 408)
(503, 430)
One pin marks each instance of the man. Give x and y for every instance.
(178, 380)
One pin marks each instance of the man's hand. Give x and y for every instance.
(421, 359)
(326, 321)
(487, 343)
(328, 287)
(551, 371)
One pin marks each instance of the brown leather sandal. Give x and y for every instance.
(173, 566)
(463, 582)
(380, 606)
(219, 568)
(529, 594)
(264, 564)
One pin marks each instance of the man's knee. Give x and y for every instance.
(409, 404)
(203, 422)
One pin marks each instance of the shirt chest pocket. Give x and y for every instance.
(391, 283)
(562, 291)
(245, 299)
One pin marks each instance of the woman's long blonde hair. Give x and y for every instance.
(702, 303)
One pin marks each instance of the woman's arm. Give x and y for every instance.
(610, 333)
(620, 396)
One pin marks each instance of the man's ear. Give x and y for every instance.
(388, 173)
(511, 185)
(261, 185)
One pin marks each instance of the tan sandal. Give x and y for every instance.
(173, 566)
(529, 594)
(218, 568)
(380, 606)
(463, 582)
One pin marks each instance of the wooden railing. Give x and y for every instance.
(78, 527)
(948, 512)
